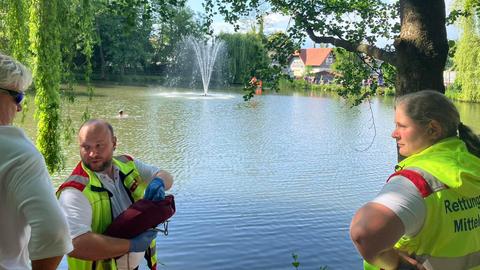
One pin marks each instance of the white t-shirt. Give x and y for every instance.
(79, 211)
(32, 225)
(404, 199)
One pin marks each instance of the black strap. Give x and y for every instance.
(148, 257)
(101, 189)
(122, 178)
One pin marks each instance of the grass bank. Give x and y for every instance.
(285, 85)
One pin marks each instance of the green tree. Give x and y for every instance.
(418, 31)
(168, 34)
(16, 29)
(133, 36)
(247, 56)
(452, 49)
(125, 42)
(45, 47)
(308, 71)
(280, 47)
(353, 71)
(467, 56)
(55, 33)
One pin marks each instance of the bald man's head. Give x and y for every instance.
(97, 143)
(99, 123)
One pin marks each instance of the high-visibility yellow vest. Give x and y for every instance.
(450, 186)
(88, 183)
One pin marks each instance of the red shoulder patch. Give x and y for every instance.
(417, 179)
(128, 157)
(79, 170)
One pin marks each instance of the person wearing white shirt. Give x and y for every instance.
(33, 230)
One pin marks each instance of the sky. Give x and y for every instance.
(277, 22)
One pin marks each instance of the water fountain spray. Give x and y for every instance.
(206, 52)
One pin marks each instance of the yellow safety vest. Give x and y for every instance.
(450, 185)
(88, 183)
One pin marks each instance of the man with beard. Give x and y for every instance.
(99, 189)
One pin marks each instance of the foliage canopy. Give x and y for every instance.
(415, 30)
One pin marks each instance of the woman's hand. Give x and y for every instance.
(407, 262)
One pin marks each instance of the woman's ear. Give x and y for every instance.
(435, 130)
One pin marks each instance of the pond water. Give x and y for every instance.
(254, 181)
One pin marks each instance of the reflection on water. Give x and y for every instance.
(256, 181)
(469, 114)
(194, 95)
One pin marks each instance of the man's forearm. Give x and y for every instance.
(92, 246)
(46, 264)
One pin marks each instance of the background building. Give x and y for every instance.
(313, 64)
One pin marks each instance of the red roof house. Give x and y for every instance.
(318, 59)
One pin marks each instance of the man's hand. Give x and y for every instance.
(155, 190)
(141, 242)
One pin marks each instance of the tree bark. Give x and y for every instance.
(422, 46)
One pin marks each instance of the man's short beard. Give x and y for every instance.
(102, 168)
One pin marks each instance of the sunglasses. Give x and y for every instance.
(18, 96)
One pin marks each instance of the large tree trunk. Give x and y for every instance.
(421, 49)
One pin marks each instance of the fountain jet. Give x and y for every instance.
(206, 52)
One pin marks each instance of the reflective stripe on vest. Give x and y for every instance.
(425, 182)
(470, 261)
(87, 181)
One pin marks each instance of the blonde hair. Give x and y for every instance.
(13, 75)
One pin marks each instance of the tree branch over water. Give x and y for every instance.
(371, 50)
